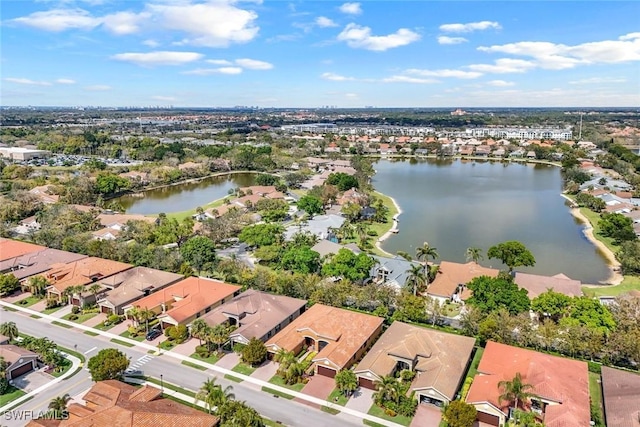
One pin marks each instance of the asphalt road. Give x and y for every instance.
(286, 411)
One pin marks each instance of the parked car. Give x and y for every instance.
(153, 334)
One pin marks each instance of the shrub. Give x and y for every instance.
(75, 309)
(114, 318)
(465, 388)
(390, 412)
(203, 351)
(238, 347)
(407, 375)
(372, 233)
(167, 332)
(594, 367)
(53, 303)
(73, 317)
(407, 406)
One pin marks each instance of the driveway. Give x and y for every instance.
(319, 386)
(187, 348)
(120, 328)
(96, 320)
(40, 305)
(32, 380)
(426, 415)
(361, 400)
(16, 296)
(265, 371)
(229, 361)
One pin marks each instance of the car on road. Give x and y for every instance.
(153, 334)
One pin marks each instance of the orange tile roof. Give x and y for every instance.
(345, 331)
(82, 272)
(621, 392)
(452, 274)
(553, 378)
(188, 297)
(15, 248)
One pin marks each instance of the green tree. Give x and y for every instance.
(198, 251)
(8, 284)
(426, 251)
(410, 308)
(342, 180)
(9, 330)
(474, 254)
(58, 406)
(416, 279)
(262, 235)
(617, 226)
(4, 382)
(37, 285)
(284, 358)
(388, 390)
(108, 364)
(346, 381)
(266, 179)
(349, 265)
(515, 391)
(238, 414)
(300, 259)
(107, 183)
(310, 204)
(551, 304)
(512, 254)
(213, 395)
(460, 414)
(490, 294)
(254, 353)
(629, 257)
(590, 313)
(199, 329)
(218, 335)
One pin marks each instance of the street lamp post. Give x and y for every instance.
(161, 384)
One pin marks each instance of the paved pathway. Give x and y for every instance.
(39, 306)
(361, 400)
(136, 365)
(96, 320)
(120, 328)
(426, 415)
(187, 348)
(228, 361)
(62, 312)
(319, 386)
(16, 297)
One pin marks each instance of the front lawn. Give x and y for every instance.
(66, 365)
(126, 334)
(51, 310)
(630, 283)
(377, 411)
(278, 380)
(102, 326)
(11, 395)
(595, 391)
(29, 301)
(244, 369)
(338, 397)
(211, 359)
(81, 317)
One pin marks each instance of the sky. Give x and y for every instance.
(308, 54)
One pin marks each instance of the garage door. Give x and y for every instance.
(431, 401)
(366, 383)
(21, 370)
(105, 309)
(488, 418)
(326, 372)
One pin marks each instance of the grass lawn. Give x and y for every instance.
(35, 316)
(270, 423)
(170, 386)
(179, 216)
(126, 334)
(193, 365)
(91, 334)
(10, 309)
(342, 400)
(243, 368)
(371, 423)
(51, 310)
(594, 218)
(211, 359)
(473, 368)
(11, 395)
(29, 301)
(232, 378)
(382, 227)
(629, 283)
(124, 343)
(81, 317)
(277, 380)
(277, 393)
(105, 328)
(377, 411)
(451, 310)
(331, 411)
(64, 325)
(65, 368)
(595, 390)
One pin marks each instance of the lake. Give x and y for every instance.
(455, 204)
(183, 197)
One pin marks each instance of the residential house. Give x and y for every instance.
(517, 154)
(621, 394)
(536, 284)
(10, 249)
(256, 314)
(339, 337)
(320, 226)
(44, 193)
(391, 271)
(27, 226)
(115, 403)
(19, 360)
(326, 248)
(139, 178)
(439, 360)
(124, 288)
(561, 386)
(83, 272)
(499, 152)
(450, 283)
(186, 300)
(483, 151)
(531, 154)
(28, 265)
(466, 151)
(119, 221)
(106, 234)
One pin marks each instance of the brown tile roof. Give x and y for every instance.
(536, 284)
(345, 331)
(259, 189)
(188, 297)
(440, 359)
(103, 232)
(15, 248)
(553, 378)
(82, 272)
(38, 262)
(13, 353)
(108, 219)
(452, 274)
(621, 393)
(113, 403)
(259, 312)
(131, 284)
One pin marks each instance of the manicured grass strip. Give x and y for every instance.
(269, 423)
(329, 410)
(473, 368)
(72, 353)
(243, 368)
(594, 219)
(105, 328)
(64, 325)
(29, 301)
(124, 343)
(91, 334)
(595, 391)
(126, 334)
(10, 309)
(211, 359)
(35, 316)
(51, 310)
(277, 393)
(81, 317)
(277, 380)
(11, 395)
(338, 397)
(630, 283)
(170, 386)
(232, 378)
(377, 411)
(193, 365)
(371, 423)
(78, 369)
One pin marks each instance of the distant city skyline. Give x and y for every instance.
(312, 54)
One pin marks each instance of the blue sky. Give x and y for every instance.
(222, 53)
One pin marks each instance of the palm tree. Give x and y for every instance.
(417, 278)
(134, 315)
(388, 390)
(219, 335)
(346, 381)
(198, 329)
(59, 404)
(3, 368)
(424, 252)
(474, 254)
(94, 289)
(284, 358)
(213, 395)
(37, 285)
(515, 391)
(294, 372)
(145, 314)
(405, 255)
(9, 330)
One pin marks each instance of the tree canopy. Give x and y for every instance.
(512, 254)
(342, 180)
(262, 234)
(108, 364)
(349, 265)
(490, 294)
(198, 251)
(617, 226)
(310, 204)
(460, 414)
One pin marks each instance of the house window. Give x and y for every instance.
(383, 274)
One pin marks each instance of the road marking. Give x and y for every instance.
(62, 393)
(90, 350)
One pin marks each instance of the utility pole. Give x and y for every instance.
(580, 133)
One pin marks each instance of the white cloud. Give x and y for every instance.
(163, 98)
(351, 95)
(597, 80)
(151, 43)
(459, 74)
(253, 64)
(59, 20)
(504, 66)
(210, 71)
(357, 36)
(500, 83)
(451, 40)
(335, 77)
(97, 88)
(65, 81)
(214, 24)
(351, 8)
(469, 27)
(151, 59)
(407, 79)
(324, 22)
(219, 62)
(23, 81)
(124, 22)
(630, 36)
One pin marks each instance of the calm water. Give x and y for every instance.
(185, 196)
(454, 204)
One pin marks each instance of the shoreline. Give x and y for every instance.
(615, 277)
(394, 225)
